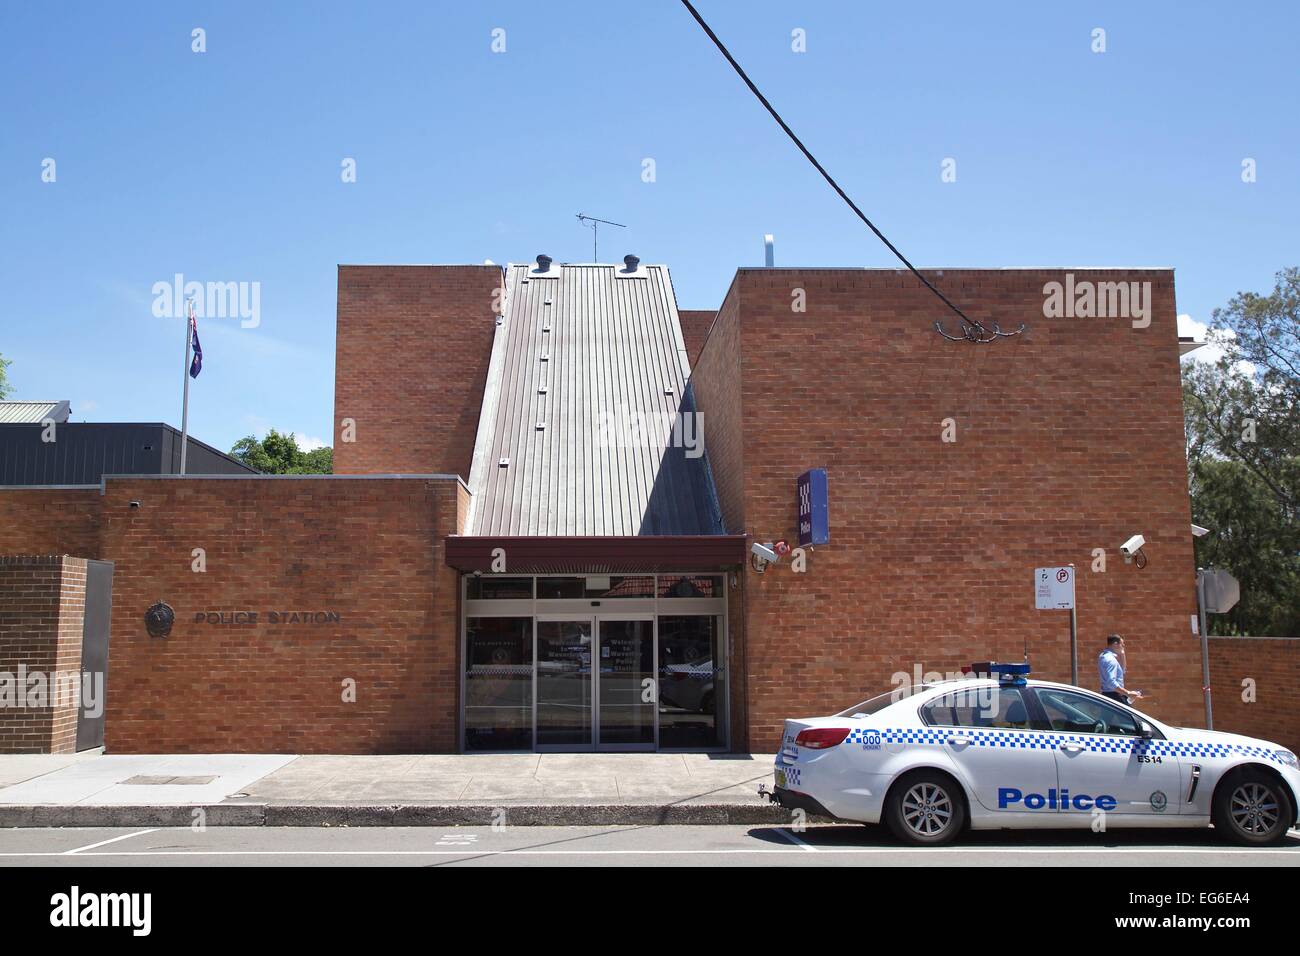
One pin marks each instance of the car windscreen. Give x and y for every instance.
(880, 702)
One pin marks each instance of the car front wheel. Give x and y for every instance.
(1253, 808)
(925, 808)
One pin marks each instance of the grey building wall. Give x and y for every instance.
(83, 452)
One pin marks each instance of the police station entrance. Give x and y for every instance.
(594, 684)
(598, 662)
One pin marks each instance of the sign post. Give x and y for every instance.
(1074, 648)
(1054, 591)
(1217, 592)
(1205, 650)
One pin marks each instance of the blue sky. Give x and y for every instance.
(225, 166)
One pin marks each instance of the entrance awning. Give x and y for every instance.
(597, 554)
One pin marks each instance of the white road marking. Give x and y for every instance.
(789, 835)
(526, 852)
(91, 846)
(457, 839)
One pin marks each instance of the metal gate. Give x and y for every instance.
(94, 653)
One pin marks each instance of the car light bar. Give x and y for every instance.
(1006, 673)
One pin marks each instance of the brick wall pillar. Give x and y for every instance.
(42, 607)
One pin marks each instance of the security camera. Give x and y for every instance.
(762, 556)
(1132, 550)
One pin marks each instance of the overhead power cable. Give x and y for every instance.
(974, 331)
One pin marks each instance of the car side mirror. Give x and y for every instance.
(1147, 730)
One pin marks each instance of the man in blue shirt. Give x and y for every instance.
(1111, 665)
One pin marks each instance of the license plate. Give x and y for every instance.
(780, 778)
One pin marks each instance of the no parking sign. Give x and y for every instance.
(1054, 589)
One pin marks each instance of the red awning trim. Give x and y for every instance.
(597, 555)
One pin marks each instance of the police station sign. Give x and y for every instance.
(814, 518)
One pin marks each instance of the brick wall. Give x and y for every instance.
(1272, 665)
(1069, 438)
(369, 550)
(50, 521)
(411, 359)
(42, 608)
(695, 329)
(716, 384)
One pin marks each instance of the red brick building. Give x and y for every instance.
(548, 479)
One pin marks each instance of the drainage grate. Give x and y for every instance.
(144, 780)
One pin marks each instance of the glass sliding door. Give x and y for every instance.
(564, 689)
(626, 695)
(691, 674)
(589, 662)
(498, 683)
(594, 683)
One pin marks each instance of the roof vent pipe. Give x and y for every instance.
(769, 252)
(544, 262)
(631, 262)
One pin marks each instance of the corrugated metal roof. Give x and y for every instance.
(33, 413)
(587, 379)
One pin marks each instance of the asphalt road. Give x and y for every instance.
(615, 846)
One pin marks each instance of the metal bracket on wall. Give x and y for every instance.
(978, 333)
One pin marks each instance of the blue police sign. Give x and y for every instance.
(814, 521)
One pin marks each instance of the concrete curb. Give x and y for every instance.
(48, 815)
(433, 815)
(394, 815)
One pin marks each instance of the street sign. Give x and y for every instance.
(1222, 592)
(814, 520)
(1054, 589)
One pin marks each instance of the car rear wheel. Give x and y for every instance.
(1253, 808)
(925, 808)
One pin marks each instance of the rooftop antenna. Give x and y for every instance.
(595, 227)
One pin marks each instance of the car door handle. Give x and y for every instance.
(958, 741)
(1072, 748)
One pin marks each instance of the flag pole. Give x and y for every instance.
(185, 372)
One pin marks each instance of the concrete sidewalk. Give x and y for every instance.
(284, 790)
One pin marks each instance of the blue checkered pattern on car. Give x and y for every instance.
(1042, 740)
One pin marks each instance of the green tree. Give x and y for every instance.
(318, 461)
(5, 388)
(1250, 537)
(1243, 455)
(279, 454)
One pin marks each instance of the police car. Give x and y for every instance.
(1003, 751)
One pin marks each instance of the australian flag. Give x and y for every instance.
(196, 363)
